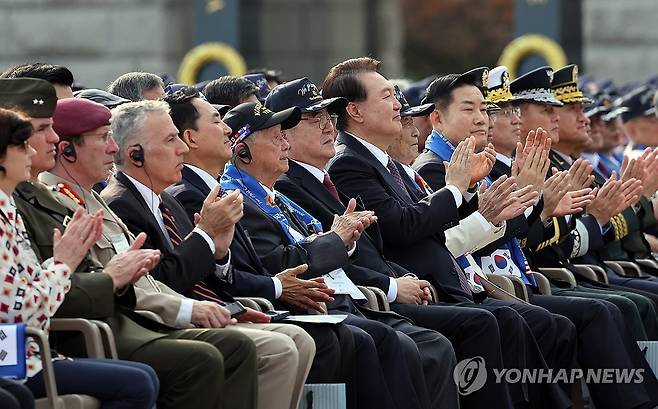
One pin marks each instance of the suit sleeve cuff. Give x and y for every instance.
(278, 288)
(392, 293)
(352, 250)
(206, 237)
(456, 194)
(486, 226)
(221, 270)
(184, 317)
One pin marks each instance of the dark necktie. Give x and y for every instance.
(294, 222)
(461, 274)
(330, 186)
(396, 174)
(170, 225)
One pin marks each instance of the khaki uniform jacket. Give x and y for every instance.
(91, 295)
(151, 295)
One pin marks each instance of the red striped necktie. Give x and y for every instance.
(170, 225)
(200, 288)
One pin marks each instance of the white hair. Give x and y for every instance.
(128, 122)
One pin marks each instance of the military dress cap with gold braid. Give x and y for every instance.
(535, 86)
(34, 97)
(445, 84)
(565, 86)
(498, 85)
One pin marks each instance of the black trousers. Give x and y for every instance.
(603, 342)
(529, 334)
(387, 363)
(437, 362)
(473, 332)
(14, 395)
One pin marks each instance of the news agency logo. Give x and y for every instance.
(470, 375)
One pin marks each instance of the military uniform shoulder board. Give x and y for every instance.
(70, 193)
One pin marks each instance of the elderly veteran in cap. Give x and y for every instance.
(285, 235)
(309, 186)
(405, 149)
(33, 290)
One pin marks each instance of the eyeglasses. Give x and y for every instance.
(103, 136)
(508, 112)
(323, 120)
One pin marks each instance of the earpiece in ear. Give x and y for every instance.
(137, 155)
(243, 153)
(69, 153)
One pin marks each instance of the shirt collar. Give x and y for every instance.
(505, 159)
(152, 200)
(566, 158)
(381, 156)
(410, 171)
(317, 173)
(207, 178)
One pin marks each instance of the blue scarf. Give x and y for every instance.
(438, 144)
(233, 179)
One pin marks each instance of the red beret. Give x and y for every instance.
(75, 116)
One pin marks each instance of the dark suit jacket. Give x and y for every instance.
(250, 278)
(412, 231)
(369, 267)
(91, 295)
(180, 268)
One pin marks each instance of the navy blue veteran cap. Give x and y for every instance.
(565, 86)
(415, 92)
(301, 93)
(639, 102)
(535, 86)
(261, 82)
(105, 98)
(247, 118)
(34, 97)
(445, 84)
(408, 110)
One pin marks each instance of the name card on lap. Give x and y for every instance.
(12, 351)
(338, 281)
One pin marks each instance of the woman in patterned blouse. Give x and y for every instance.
(31, 292)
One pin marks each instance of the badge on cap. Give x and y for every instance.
(261, 109)
(505, 80)
(550, 75)
(485, 77)
(574, 74)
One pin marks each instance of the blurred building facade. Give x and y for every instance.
(101, 39)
